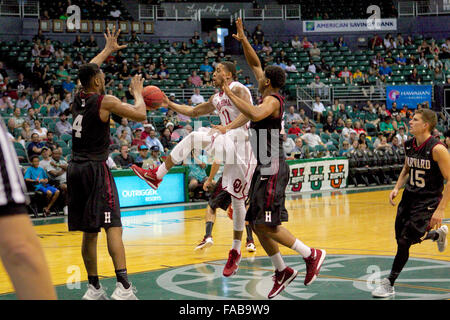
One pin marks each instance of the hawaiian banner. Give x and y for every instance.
(317, 175)
(408, 95)
(317, 26)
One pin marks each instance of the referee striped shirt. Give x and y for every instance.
(12, 184)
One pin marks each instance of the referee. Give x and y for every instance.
(20, 250)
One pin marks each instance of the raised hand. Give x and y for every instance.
(136, 85)
(111, 40)
(240, 30)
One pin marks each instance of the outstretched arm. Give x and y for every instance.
(199, 110)
(110, 46)
(269, 106)
(250, 54)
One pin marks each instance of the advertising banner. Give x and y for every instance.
(317, 175)
(317, 26)
(408, 95)
(208, 10)
(134, 191)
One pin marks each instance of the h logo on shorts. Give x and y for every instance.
(268, 216)
(107, 217)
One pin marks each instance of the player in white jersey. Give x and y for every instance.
(233, 149)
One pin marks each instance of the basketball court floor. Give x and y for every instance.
(356, 228)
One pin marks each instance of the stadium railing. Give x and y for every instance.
(422, 8)
(29, 8)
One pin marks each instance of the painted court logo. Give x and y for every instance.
(394, 94)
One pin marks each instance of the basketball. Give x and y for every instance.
(153, 97)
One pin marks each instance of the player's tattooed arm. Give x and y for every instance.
(250, 54)
(199, 110)
(110, 46)
(402, 178)
(442, 157)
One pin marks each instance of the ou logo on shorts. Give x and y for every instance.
(237, 185)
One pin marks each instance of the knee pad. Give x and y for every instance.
(238, 214)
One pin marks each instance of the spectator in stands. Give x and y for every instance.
(38, 177)
(124, 160)
(318, 86)
(386, 41)
(45, 52)
(386, 126)
(124, 127)
(39, 130)
(155, 157)
(65, 104)
(395, 144)
(346, 75)
(342, 113)
(306, 44)
(340, 43)
(166, 140)
(143, 159)
(63, 126)
(170, 117)
(147, 128)
(384, 71)
(314, 51)
(311, 67)
(35, 52)
(279, 63)
(312, 139)
(436, 62)
(257, 46)
(290, 67)
(35, 147)
(134, 38)
(45, 154)
(292, 116)
(258, 34)
(26, 131)
(288, 145)
(49, 142)
(438, 75)
(55, 110)
(392, 44)
(23, 102)
(124, 73)
(346, 131)
(299, 152)
(163, 73)
(345, 148)
(91, 43)
(378, 59)
(423, 60)
(5, 102)
(197, 97)
(184, 49)
(376, 41)
(78, 43)
(62, 73)
(206, 66)
(18, 119)
(383, 144)
(295, 129)
(414, 76)
(357, 128)
(296, 43)
(324, 66)
(59, 54)
(267, 49)
(21, 85)
(67, 85)
(389, 59)
(445, 50)
(409, 41)
(152, 140)
(401, 60)
(329, 127)
(318, 109)
(248, 83)
(137, 139)
(195, 79)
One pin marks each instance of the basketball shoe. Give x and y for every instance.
(250, 246)
(281, 280)
(124, 294)
(205, 243)
(313, 264)
(148, 176)
(384, 290)
(95, 294)
(442, 241)
(232, 265)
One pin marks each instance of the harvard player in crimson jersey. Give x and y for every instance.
(232, 149)
(268, 186)
(427, 164)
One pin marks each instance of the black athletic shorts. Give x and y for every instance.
(93, 197)
(267, 196)
(414, 214)
(219, 198)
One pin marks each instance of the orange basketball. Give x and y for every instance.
(153, 97)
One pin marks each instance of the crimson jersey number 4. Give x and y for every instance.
(77, 125)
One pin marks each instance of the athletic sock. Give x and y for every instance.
(162, 171)
(301, 248)
(237, 245)
(249, 232)
(209, 226)
(122, 277)
(278, 262)
(93, 280)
